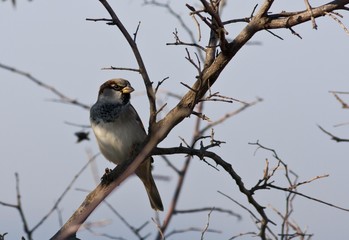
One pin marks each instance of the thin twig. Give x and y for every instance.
(63, 98)
(332, 15)
(344, 104)
(181, 22)
(121, 68)
(60, 198)
(159, 84)
(333, 137)
(295, 33)
(243, 234)
(173, 167)
(274, 34)
(99, 19)
(229, 115)
(309, 9)
(308, 181)
(207, 225)
(205, 209)
(191, 229)
(240, 205)
(136, 32)
(308, 197)
(134, 230)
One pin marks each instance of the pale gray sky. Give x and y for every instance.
(52, 41)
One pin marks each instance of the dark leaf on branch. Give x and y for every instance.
(82, 136)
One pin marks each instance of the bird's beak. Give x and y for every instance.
(127, 89)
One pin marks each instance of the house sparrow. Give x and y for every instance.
(119, 131)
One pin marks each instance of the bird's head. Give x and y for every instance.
(115, 90)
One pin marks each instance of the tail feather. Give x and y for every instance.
(144, 173)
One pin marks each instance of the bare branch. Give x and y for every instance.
(159, 84)
(308, 197)
(180, 42)
(332, 15)
(341, 124)
(205, 209)
(290, 19)
(229, 115)
(180, 20)
(187, 86)
(122, 69)
(191, 229)
(335, 138)
(240, 205)
(136, 32)
(198, 13)
(196, 65)
(77, 125)
(108, 20)
(135, 231)
(161, 108)
(295, 33)
(344, 104)
(174, 168)
(63, 98)
(263, 10)
(274, 34)
(228, 168)
(207, 224)
(243, 234)
(309, 181)
(60, 198)
(309, 9)
(214, 65)
(158, 227)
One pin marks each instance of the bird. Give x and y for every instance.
(119, 130)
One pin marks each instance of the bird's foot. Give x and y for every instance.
(106, 178)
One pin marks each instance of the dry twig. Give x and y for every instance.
(62, 98)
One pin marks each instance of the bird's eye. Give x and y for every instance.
(116, 87)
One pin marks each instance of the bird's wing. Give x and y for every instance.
(136, 116)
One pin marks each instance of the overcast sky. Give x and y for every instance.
(52, 41)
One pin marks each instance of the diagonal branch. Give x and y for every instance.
(309, 9)
(63, 98)
(308, 197)
(293, 19)
(333, 137)
(263, 10)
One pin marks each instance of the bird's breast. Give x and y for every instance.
(117, 140)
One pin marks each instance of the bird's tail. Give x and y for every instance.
(144, 173)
